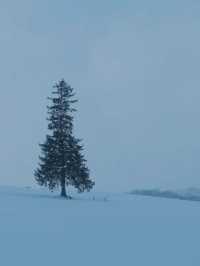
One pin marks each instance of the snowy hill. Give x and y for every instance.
(96, 229)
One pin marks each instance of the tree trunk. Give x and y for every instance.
(63, 188)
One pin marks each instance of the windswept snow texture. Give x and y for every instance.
(96, 229)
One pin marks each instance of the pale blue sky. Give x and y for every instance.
(135, 67)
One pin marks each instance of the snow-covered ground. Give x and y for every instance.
(38, 228)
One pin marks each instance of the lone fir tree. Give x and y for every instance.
(62, 162)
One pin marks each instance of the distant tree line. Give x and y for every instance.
(185, 195)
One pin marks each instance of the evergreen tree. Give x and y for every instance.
(62, 162)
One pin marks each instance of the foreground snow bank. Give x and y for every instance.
(96, 229)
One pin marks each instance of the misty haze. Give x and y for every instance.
(100, 126)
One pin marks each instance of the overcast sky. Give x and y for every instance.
(135, 67)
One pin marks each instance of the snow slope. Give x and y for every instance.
(38, 228)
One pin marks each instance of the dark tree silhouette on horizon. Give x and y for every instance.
(62, 162)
